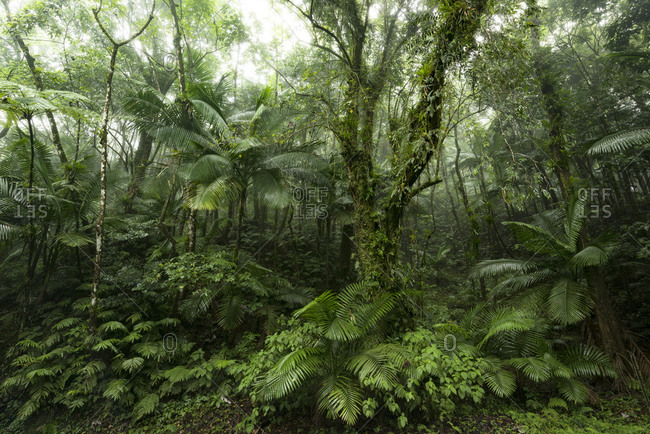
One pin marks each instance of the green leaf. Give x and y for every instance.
(132, 364)
(178, 374)
(145, 406)
(115, 389)
(71, 239)
(569, 302)
(112, 326)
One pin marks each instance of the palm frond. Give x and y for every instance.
(499, 380)
(534, 368)
(590, 256)
(539, 240)
(620, 141)
(290, 373)
(500, 267)
(573, 390)
(321, 310)
(380, 363)
(587, 361)
(569, 302)
(574, 220)
(504, 320)
(342, 396)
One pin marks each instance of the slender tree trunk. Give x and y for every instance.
(240, 221)
(180, 64)
(452, 204)
(191, 230)
(99, 223)
(103, 141)
(347, 232)
(163, 215)
(328, 232)
(140, 163)
(473, 253)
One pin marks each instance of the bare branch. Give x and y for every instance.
(96, 12)
(310, 17)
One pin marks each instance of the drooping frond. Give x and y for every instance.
(518, 282)
(321, 310)
(498, 379)
(342, 330)
(569, 302)
(290, 372)
(210, 115)
(572, 390)
(534, 368)
(501, 267)
(587, 361)
(590, 256)
(574, 220)
(620, 141)
(538, 240)
(504, 320)
(342, 396)
(209, 167)
(5, 231)
(380, 363)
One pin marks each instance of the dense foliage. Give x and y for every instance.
(341, 215)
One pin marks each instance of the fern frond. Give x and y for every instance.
(321, 310)
(620, 141)
(380, 363)
(145, 406)
(499, 380)
(534, 368)
(538, 240)
(505, 320)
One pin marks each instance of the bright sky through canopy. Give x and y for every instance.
(271, 23)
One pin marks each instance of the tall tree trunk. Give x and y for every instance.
(191, 230)
(473, 253)
(611, 330)
(180, 64)
(187, 107)
(103, 141)
(452, 204)
(99, 223)
(140, 163)
(347, 232)
(240, 221)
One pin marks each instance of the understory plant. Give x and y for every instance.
(346, 354)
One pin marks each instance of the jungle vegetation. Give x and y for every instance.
(325, 216)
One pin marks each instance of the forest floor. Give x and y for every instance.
(615, 414)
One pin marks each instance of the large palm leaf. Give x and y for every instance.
(343, 356)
